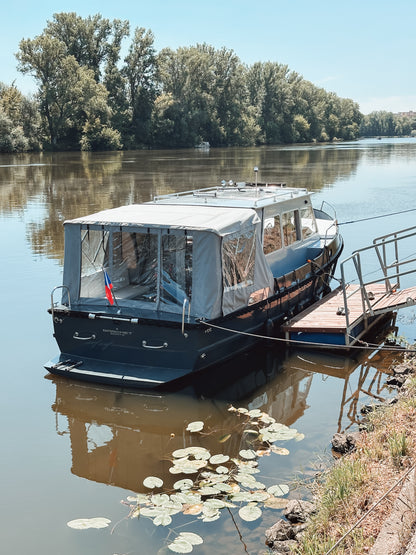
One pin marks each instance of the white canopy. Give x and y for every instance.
(213, 219)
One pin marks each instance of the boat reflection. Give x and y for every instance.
(120, 437)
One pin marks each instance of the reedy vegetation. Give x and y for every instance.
(89, 98)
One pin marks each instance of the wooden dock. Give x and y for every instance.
(326, 323)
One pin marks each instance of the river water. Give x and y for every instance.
(73, 450)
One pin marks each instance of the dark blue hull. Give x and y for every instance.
(135, 351)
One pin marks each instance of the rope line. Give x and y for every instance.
(376, 217)
(311, 343)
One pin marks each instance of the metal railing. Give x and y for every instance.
(389, 268)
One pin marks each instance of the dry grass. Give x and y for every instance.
(357, 481)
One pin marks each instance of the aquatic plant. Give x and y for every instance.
(219, 482)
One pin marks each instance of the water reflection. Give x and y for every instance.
(121, 437)
(67, 185)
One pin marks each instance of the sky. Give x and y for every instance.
(359, 49)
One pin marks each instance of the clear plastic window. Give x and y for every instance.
(94, 256)
(290, 227)
(272, 235)
(238, 255)
(308, 223)
(135, 265)
(176, 276)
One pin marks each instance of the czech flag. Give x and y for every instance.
(108, 287)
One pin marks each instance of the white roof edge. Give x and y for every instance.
(217, 219)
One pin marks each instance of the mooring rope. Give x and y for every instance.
(376, 217)
(312, 343)
(371, 509)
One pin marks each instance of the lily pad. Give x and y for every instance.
(222, 469)
(247, 454)
(85, 523)
(219, 459)
(184, 484)
(278, 490)
(196, 452)
(250, 513)
(162, 520)
(180, 545)
(152, 482)
(192, 538)
(196, 426)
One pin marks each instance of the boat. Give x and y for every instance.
(155, 292)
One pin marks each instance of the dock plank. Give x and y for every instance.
(325, 314)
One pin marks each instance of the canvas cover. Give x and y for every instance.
(160, 257)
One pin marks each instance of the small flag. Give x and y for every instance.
(108, 287)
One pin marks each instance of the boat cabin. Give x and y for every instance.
(209, 252)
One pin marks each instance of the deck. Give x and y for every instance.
(325, 322)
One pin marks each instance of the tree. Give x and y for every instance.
(140, 71)
(93, 41)
(68, 93)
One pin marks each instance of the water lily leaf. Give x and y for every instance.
(186, 498)
(160, 499)
(184, 484)
(192, 538)
(242, 410)
(278, 490)
(275, 503)
(247, 454)
(162, 520)
(85, 523)
(267, 419)
(196, 452)
(187, 466)
(250, 513)
(209, 514)
(255, 413)
(259, 496)
(152, 482)
(214, 504)
(299, 436)
(207, 490)
(196, 426)
(232, 409)
(222, 470)
(219, 459)
(180, 545)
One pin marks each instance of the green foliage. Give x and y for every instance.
(387, 124)
(89, 98)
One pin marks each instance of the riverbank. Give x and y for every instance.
(365, 502)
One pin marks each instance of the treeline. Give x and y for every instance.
(387, 124)
(89, 98)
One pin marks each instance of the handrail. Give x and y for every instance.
(391, 270)
(183, 315)
(52, 294)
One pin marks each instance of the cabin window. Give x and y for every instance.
(134, 268)
(290, 226)
(272, 234)
(238, 254)
(308, 223)
(176, 274)
(94, 257)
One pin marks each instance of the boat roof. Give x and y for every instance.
(239, 194)
(219, 220)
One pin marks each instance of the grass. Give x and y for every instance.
(347, 490)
